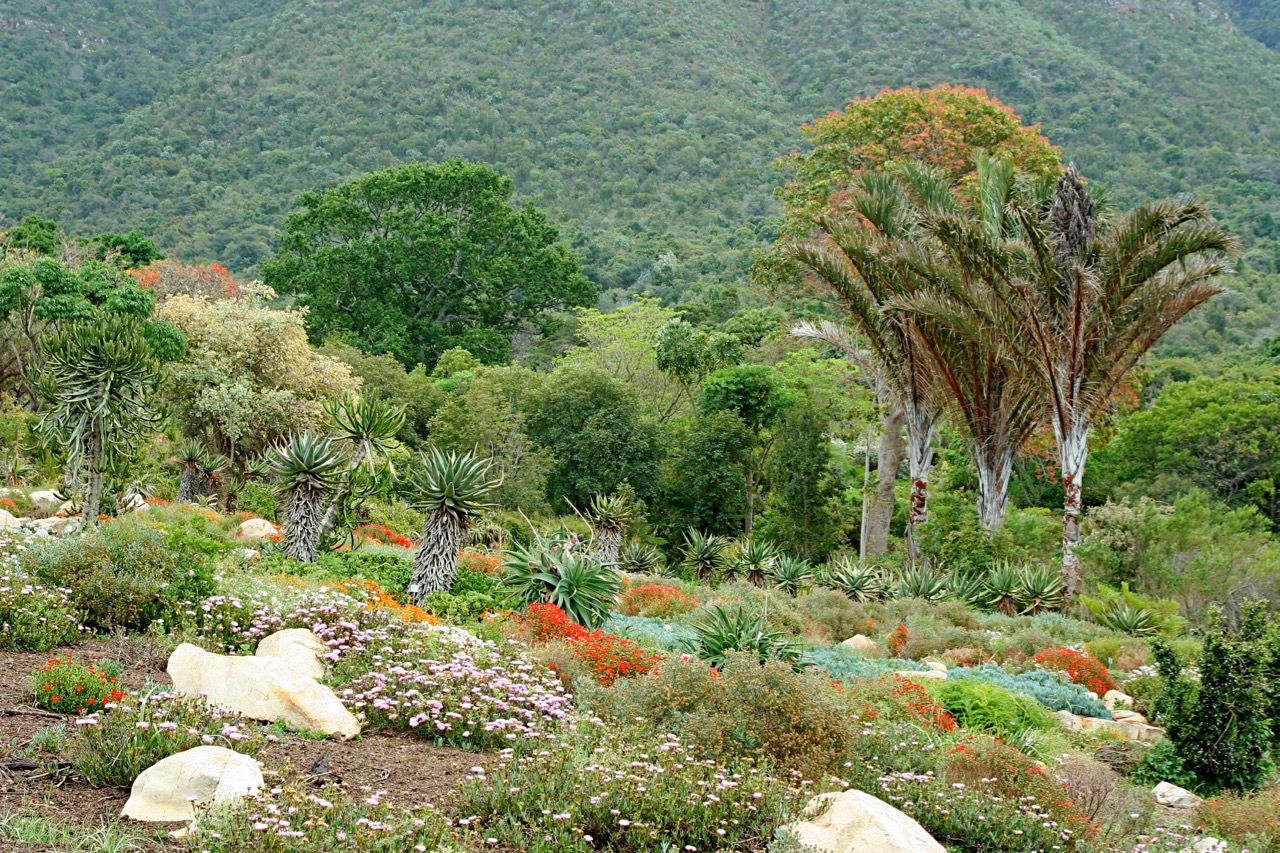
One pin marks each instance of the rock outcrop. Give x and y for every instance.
(177, 787)
(298, 647)
(1169, 794)
(856, 822)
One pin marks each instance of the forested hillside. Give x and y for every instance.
(647, 129)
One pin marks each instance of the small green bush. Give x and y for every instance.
(65, 686)
(257, 497)
(1048, 688)
(388, 566)
(987, 707)
(123, 574)
(842, 664)
(837, 616)
(650, 631)
(34, 617)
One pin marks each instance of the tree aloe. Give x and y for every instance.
(452, 489)
(307, 467)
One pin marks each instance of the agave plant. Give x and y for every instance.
(637, 558)
(790, 575)
(201, 470)
(451, 489)
(256, 469)
(721, 631)
(1004, 588)
(755, 561)
(918, 581)
(859, 583)
(704, 554)
(968, 588)
(1130, 619)
(580, 585)
(1042, 588)
(306, 469)
(609, 516)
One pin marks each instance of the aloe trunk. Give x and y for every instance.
(605, 545)
(303, 509)
(189, 485)
(436, 564)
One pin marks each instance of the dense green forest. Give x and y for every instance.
(647, 130)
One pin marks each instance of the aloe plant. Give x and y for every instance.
(581, 586)
(859, 583)
(306, 469)
(704, 554)
(451, 489)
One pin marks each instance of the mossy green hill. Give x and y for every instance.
(643, 127)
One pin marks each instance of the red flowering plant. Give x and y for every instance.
(66, 687)
(898, 641)
(383, 535)
(655, 600)
(1079, 667)
(546, 623)
(611, 657)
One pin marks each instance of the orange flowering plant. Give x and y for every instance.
(64, 686)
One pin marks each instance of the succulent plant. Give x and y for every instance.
(306, 468)
(452, 488)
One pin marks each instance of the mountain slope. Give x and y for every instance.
(648, 127)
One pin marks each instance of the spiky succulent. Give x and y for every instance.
(1130, 619)
(1042, 589)
(859, 583)
(201, 471)
(581, 586)
(609, 515)
(754, 561)
(1003, 588)
(637, 558)
(704, 554)
(452, 489)
(790, 574)
(969, 588)
(306, 468)
(721, 631)
(917, 581)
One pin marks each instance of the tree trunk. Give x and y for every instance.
(1073, 450)
(888, 457)
(189, 485)
(331, 513)
(919, 461)
(751, 498)
(92, 489)
(994, 471)
(436, 563)
(605, 545)
(301, 514)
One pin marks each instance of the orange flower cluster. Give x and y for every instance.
(9, 502)
(474, 561)
(377, 598)
(68, 687)
(898, 640)
(546, 623)
(383, 535)
(611, 657)
(655, 600)
(1079, 667)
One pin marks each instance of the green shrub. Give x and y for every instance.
(65, 686)
(1248, 820)
(608, 791)
(843, 664)
(388, 566)
(837, 616)
(650, 632)
(743, 710)
(1047, 688)
(123, 574)
(34, 617)
(987, 707)
(398, 515)
(112, 747)
(579, 585)
(257, 497)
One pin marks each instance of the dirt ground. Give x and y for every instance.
(411, 771)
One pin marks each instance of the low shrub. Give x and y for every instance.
(113, 746)
(378, 599)
(1044, 686)
(987, 707)
(836, 617)
(742, 710)
(382, 535)
(891, 699)
(34, 617)
(843, 664)
(466, 694)
(609, 658)
(65, 686)
(387, 565)
(561, 660)
(1079, 667)
(123, 574)
(608, 792)
(650, 632)
(296, 817)
(655, 600)
(1247, 819)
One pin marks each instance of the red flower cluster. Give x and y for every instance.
(655, 600)
(383, 535)
(546, 623)
(474, 561)
(611, 657)
(67, 687)
(898, 640)
(1079, 667)
(9, 502)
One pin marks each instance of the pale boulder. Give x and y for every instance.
(252, 529)
(1129, 717)
(261, 688)
(936, 666)
(175, 788)
(856, 822)
(46, 502)
(864, 645)
(922, 675)
(1114, 699)
(1168, 794)
(66, 526)
(8, 519)
(1131, 729)
(298, 647)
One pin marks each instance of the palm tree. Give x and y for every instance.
(96, 382)
(452, 490)
(307, 468)
(1074, 300)
(609, 517)
(857, 257)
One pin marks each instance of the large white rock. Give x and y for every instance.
(1130, 728)
(261, 688)
(1113, 699)
(46, 502)
(175, 788)
(252, 529)
(299, 647)
(865, 646)
(8, 519)
(1168, 794)
(856, 822)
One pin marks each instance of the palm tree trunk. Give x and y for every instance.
(919, 461)
(1073, 453)
(302, 512)
(436, 563)
(994, 471)
(889, 455)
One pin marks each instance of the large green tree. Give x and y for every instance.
(706, 469)
(420, 258)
